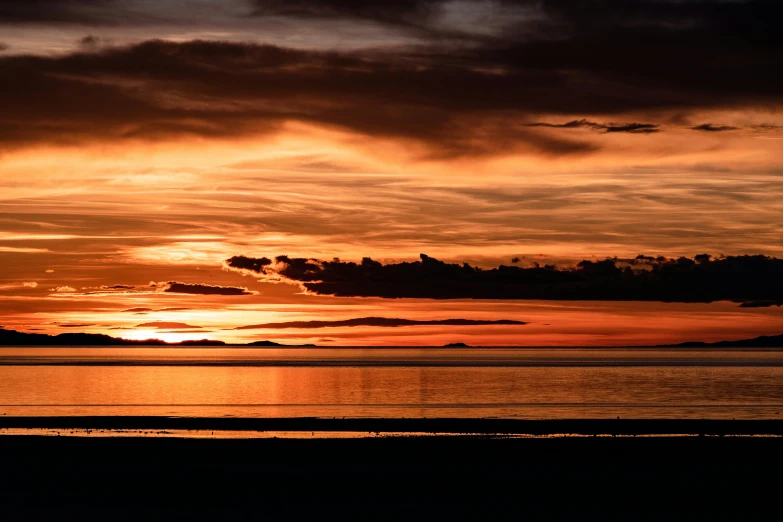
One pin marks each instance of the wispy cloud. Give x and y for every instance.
(630, 128)
(166, 325)
(712, 127)
(175, 287)
(382, 322)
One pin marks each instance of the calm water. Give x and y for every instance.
(400, 382)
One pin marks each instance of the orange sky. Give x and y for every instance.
(152, 152)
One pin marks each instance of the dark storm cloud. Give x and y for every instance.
(606, 58)
(761, 304)
(175, 287)
(711, 127)
(397, 12)
(703, 279)
(162, 89)
(385, 322)
(631, 128)
(566, 14)
(83, 12)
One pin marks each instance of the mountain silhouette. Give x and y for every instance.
(764, 341)
(14, 338)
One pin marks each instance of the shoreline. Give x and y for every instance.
(431, 426)
(395, 478)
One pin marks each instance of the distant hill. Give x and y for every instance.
(264, 343)
(14, 338)
(456, 345)
(764, 341)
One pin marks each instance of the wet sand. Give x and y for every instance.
(476, 477)
(484, 426)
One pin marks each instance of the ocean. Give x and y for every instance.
(514, 383)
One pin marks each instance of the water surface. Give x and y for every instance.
(524, 383)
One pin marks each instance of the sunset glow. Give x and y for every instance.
(146, 143)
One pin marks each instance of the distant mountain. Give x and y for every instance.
(456, 345)
(764, 341)
(14, 338)
(264, 343)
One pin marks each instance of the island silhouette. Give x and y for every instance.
(16, 338)
(763, 341)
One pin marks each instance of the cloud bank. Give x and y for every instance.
(541, 60)
(645, 278)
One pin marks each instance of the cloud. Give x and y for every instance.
(702, 279)
(83, 12)
(555, 18)
(166, 325)
(49, 271)
(186, 331)
(382, 10)
(175, 287)
(226, 90)
(761, 304)
(412, 14)
(17, 286)
(118, 287)
(543, 63)
(631, 128)
(144, 310)
(23, 250)
(3, 47)
(63, 289)
(711, 127)
(90, 42)
(380, 322)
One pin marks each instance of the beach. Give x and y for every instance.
(446, 474)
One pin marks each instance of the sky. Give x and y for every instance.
(188, 169)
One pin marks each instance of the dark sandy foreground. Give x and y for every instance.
(413, 478)
(411, 425)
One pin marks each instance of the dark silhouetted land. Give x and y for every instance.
(14, 338)
(764, 341)
(485, 426)
(415, 478)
